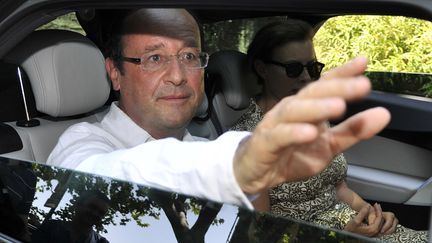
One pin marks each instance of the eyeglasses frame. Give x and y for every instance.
(138, 60)
(307, 66)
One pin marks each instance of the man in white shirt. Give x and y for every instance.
(157, 65)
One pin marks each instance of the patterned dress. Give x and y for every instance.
(314, 200)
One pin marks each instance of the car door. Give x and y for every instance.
(52, 200)
(394, 167)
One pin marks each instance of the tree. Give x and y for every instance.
(126, 199)
(392, 44)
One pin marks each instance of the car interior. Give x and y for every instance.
(66, 74)
(57, 78)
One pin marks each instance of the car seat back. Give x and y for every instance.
(233, 84)
(68, 81)
(201, 125)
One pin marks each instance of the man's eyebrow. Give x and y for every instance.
(153, 47)
(191, 43)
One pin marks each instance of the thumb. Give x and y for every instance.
(362, 214)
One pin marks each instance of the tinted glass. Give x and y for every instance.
(46, 204)
(400, 48)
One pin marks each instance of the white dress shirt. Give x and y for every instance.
(118, 148)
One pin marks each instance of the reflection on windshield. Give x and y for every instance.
(47, 204)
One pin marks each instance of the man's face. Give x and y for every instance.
(161, 101)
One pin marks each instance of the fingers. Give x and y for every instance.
(356, 225)
(294, 110)
(349, 88)
(322, 100)
(393, 228)
(353, 68)
(374, 228)
(362, 214)
(343, 81)
(390, 223)
(284, 135)
(359, 127)
(340, 85)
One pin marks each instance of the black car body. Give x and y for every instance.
(394, 168)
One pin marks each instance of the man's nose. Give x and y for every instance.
(175, 72)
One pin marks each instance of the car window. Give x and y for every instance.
(52, 200)
(399, 48)
(65, 22)
(233, 34)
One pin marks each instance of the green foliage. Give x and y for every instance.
(403, 83)
(396, 44)
(392, 44)
(65, 22)
(427, 89)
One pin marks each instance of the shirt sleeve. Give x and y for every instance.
(200, 168)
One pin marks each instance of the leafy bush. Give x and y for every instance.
(393, 44)
(65, 22)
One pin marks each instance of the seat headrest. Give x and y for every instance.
(203, 108)
(238, 83)
(66, 72)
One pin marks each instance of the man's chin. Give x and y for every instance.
(177, 123)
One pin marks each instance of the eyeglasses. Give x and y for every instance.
(153, 62)
(294, 69)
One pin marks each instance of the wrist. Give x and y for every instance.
(242, 173)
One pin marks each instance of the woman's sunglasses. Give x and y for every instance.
(294, 69)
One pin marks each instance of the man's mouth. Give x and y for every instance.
(175, 98)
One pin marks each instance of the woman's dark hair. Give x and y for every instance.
(274, 35)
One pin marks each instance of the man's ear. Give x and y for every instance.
(260, 68)
(113, 73)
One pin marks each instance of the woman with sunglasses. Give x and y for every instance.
(283, 57)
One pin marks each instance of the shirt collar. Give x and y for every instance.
(126, 130)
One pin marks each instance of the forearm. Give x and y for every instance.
(202, 169)
(345, 194)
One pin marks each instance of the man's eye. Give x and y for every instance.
(154, 58)
(189, 56)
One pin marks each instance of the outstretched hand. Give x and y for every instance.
(293, 142)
